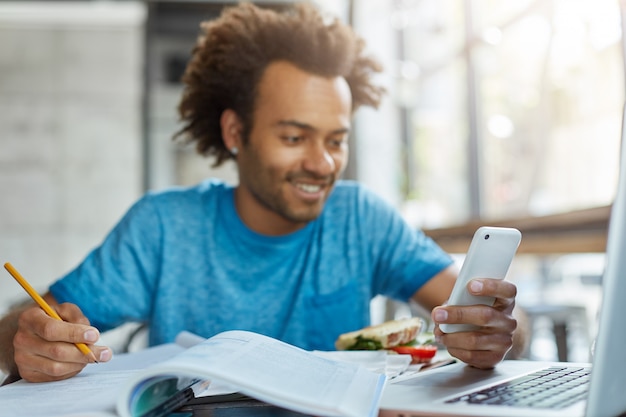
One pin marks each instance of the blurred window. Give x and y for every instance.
(511, 109)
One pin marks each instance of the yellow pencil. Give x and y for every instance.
(45, 306)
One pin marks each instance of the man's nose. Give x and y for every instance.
(319, 161)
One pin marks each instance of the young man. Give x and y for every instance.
(292, 251)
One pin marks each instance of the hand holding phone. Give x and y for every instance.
(489, 256)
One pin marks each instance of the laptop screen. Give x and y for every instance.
(608, 377)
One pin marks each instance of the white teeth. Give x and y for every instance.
(309, 188)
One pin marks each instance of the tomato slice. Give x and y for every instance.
(419, 353)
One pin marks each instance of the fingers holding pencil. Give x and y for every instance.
(79, 335)
(38, 354)
(52, 343)
(44, 348)
(73, 328)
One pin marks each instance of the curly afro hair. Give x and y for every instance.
(233, 51)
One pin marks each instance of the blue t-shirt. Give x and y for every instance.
(182, 259)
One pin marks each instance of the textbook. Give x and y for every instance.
(252, 364)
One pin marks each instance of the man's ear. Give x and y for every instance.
(232, 130)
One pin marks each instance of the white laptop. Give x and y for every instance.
(521, 388)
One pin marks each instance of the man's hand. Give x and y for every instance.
(44, 348)
(487, 346)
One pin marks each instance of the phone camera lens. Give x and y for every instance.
(486, 237)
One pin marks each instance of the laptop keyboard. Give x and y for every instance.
(555, 387)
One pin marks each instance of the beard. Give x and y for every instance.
(274, 188)
(276, 198)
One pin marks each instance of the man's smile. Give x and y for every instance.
(309, 188)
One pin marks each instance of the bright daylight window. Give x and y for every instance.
(512, 109)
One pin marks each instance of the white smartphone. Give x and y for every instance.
(489, 256)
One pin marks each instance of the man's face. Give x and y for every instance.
(296, 150)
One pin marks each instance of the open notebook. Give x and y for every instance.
(522, 388)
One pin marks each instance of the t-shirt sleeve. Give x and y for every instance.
(115, 282)
(405, 258)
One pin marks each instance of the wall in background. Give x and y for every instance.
(70, 131)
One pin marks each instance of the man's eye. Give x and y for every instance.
(337, 142)
(292, 139)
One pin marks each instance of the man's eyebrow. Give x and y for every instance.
(306, 126)
(295, 123)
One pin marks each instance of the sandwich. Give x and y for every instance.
(382, 336)
(399, 336)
